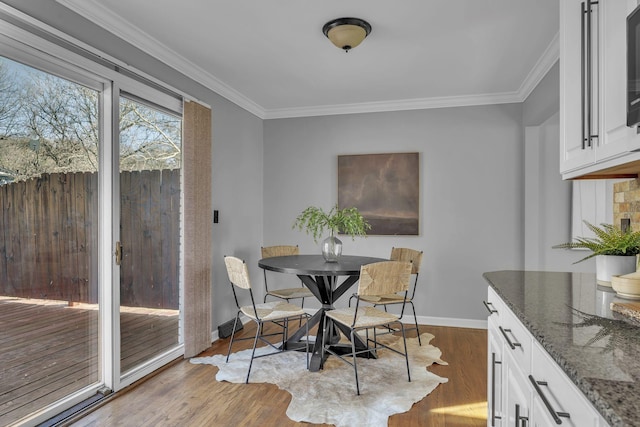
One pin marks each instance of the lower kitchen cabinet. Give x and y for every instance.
(525, 386)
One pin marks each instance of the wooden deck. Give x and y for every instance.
(49, 349)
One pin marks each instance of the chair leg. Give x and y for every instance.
(285, 329)
(233, 334)
(301, 306)
(307, 349)
(355, 364)
(406, 352)
(415, 318)
(255, 342)
(324, 336)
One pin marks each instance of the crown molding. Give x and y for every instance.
(547, 60)
(101, 16)
(397, 105)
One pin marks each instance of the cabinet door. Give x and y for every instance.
(574, 152)
(517, 394)
(495, 377)
(615, 137)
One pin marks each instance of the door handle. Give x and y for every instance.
(494, 362)
(118, 253)
(521, 421)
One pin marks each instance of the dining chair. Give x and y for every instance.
(276, 312)
(300, 292)
(415, 258)
(376, 280)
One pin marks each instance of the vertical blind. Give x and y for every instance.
(197, 228)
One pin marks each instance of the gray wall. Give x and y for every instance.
(547, 220)
(237, 149)
(471, 191)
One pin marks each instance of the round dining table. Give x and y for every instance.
(328, 281)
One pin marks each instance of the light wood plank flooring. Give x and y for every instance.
(188, 395)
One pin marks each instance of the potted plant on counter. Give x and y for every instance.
(615, 250)
(347, 221)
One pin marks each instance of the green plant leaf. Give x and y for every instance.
(608, 240)
(315, 221)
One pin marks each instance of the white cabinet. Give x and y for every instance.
(593, 131)
(525, 387)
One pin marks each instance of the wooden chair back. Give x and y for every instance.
(279, 250)
(408, 255)
(384, 278)
(238, 272)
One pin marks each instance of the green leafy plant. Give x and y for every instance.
(609, 240)
(347, 221)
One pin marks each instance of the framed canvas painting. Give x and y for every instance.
(384, 188)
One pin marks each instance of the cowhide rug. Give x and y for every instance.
(329, 396)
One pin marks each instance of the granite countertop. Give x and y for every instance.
(570, 315)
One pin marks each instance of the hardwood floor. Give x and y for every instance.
(185, 394)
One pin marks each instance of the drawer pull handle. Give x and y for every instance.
(512, 344)
(490, 309)
(556, 415)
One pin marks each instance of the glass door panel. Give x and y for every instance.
(49, 307)
(149, 159)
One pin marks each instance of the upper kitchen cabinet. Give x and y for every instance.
(595, 141)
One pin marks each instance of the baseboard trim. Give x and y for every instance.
(451, 322)
(447, 321)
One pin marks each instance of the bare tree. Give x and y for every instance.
(52, 125)
(149, 138)
(8, 102)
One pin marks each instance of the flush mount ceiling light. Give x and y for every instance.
(346, 33)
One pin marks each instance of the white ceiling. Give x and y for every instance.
(271, 57)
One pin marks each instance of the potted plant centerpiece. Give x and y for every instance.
(347, 221)
(615, 250)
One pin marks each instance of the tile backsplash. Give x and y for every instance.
(626, 202)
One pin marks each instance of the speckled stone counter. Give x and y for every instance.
(570, 316)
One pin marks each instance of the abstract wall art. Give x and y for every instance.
(385, 188)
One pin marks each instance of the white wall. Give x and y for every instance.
(471, 191)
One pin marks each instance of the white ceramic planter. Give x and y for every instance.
(609, 265)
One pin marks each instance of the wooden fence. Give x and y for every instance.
(49, 229)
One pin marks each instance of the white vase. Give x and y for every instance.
(609, 265)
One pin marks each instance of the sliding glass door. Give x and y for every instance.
(90, 220)
(150, 152)
(49, 284)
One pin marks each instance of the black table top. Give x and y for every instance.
(315, 265)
